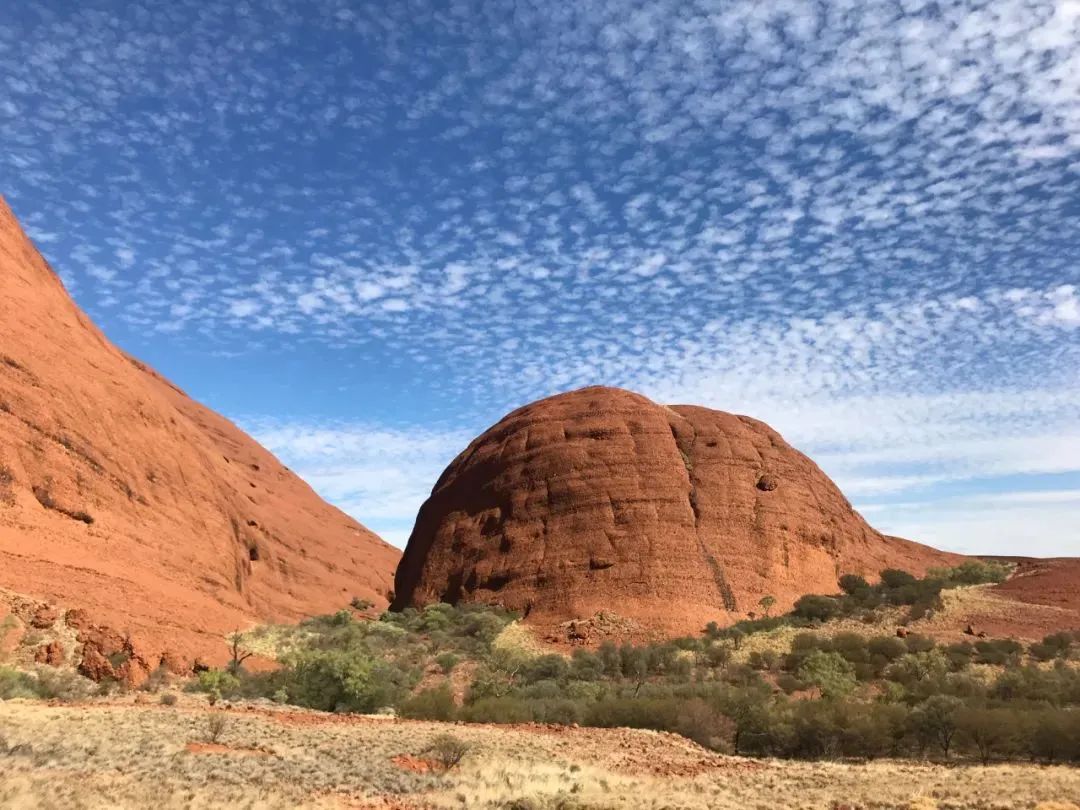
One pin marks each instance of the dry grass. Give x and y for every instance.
(517, 637)
(110, 754)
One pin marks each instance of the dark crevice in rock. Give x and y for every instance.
(686, 450)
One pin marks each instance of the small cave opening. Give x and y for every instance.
(767, 483)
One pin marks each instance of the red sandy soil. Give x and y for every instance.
(1054, 582)
(671, 517)
(1044, 596)
(407, 762)
(196, 529)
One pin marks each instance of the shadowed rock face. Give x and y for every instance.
(122, 497)
(600, 499)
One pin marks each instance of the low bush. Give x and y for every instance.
(448, 750)
(16, 684)
(436, 703)
(498, 710)
(216, 724)
(998, 651)
(706, 725)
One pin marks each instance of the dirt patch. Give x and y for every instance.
(1052, 582)
(407, 762)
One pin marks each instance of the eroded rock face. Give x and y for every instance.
(602, 500)
(121, 496)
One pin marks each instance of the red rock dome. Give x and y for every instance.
(602, 500)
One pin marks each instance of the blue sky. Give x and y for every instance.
(366, 231)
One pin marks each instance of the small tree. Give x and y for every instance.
(936, 719)
(990, 731)
(238, 651)
(830, 672)
(766, 604)
(705, 725)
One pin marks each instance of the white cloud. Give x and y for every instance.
(854, 219)
(243, 309)
(378, 475)
(1012, 523)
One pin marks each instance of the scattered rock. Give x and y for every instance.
(45, 617)
(51, 654)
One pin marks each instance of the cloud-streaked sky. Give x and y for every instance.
(366, 231)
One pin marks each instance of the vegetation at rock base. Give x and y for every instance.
(826, 695)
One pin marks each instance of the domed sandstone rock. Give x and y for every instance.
(602, 500)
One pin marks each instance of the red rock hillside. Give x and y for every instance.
(601, 500)
(149, 514)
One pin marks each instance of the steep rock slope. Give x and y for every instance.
(122, 497)
(601, 500)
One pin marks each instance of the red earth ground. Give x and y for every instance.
(161, 521)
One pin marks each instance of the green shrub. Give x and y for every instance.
(1055, 645)
(217, 681)
(789, 683)
(937, 720)
(545, 667)
(706, 725)
(764, 660)
(997, 651)
(447, 661)
(498, 710)
(883, 650)
(1043, 652)
(960, 655)
(894, 579)
(661, 714)
(436, 703)
(919, 644)
(64, 685)
(816, 608)
(852, 646)
(974, 572)
(992, 733)
(586, 666)
(16, 684)
(854, 585)
(830, 672)
(341, 681)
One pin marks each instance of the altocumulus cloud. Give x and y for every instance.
(855, 219)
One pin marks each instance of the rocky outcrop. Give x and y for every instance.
(121, 496)
(601, 500)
